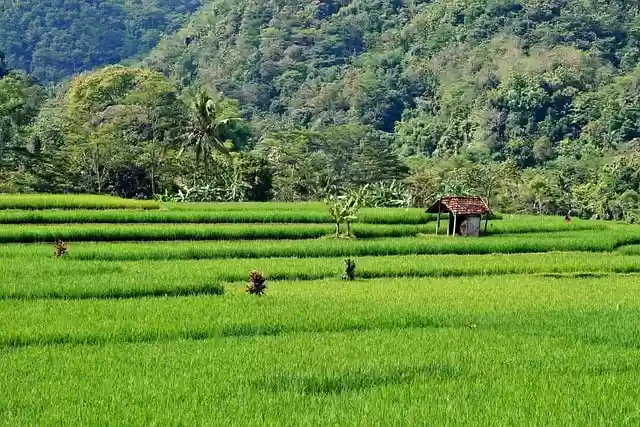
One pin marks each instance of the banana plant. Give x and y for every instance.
(344, 209)
(335, 211)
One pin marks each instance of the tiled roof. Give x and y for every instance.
(460, 205)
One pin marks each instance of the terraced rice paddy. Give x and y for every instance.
(146, 321)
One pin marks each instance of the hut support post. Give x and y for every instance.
(438, 224)
(455, 224)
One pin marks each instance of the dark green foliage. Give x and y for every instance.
(57, 38)
(131, 182)
(257, 284)
(529, 104)
(349, 269)
(3, 65)
(208, 128)
(20, 98)
(501, 99)
(386, 194)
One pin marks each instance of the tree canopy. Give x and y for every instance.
(54, 39)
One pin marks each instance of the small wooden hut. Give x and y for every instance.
(465, 214)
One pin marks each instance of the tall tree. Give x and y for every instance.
(20, 100)
(119, 123)
(208, 129)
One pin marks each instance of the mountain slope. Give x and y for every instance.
(450, 73)
(281, 57)
(52, 39)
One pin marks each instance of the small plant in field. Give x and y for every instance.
(344, 209)
(257, 283)
(567, 218)
(59, 248)
(349, 269)
(471, 325)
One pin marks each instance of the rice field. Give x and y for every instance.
(146, 319)
(268, 214)
(66, 201)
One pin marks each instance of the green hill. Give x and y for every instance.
(52, 39)
(376, 62)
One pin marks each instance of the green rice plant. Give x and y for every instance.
(366, 215)
(71, 201)
(153, 232)
(137, 216)
(605, 241)
(629, 249)
(372, 352)
(520, 224)
(246, 206)
(506, 304)
(408, 340)
(379, 216)
(369, 377)
(100, 279)
(393, 216)
(515, 224)
(69, 280)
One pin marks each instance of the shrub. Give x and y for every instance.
(257, 283)
(59, 248)
(349, 269)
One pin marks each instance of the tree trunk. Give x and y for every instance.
(153, 181)
(153, 163)
(97, 164)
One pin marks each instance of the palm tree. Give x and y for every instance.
(206, 132)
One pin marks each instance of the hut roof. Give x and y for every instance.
(460, 205)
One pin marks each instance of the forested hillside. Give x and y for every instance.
(532, 104)
(379, 62)
(53, 39)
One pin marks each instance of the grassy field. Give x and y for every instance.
(268, 214)
(146, 320)
(156, 232)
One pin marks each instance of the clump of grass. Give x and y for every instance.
(349, 269)
(470, 325)
(257, 283)
(60, 248)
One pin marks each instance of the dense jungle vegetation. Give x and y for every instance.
(53, 39)
(532, 104)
